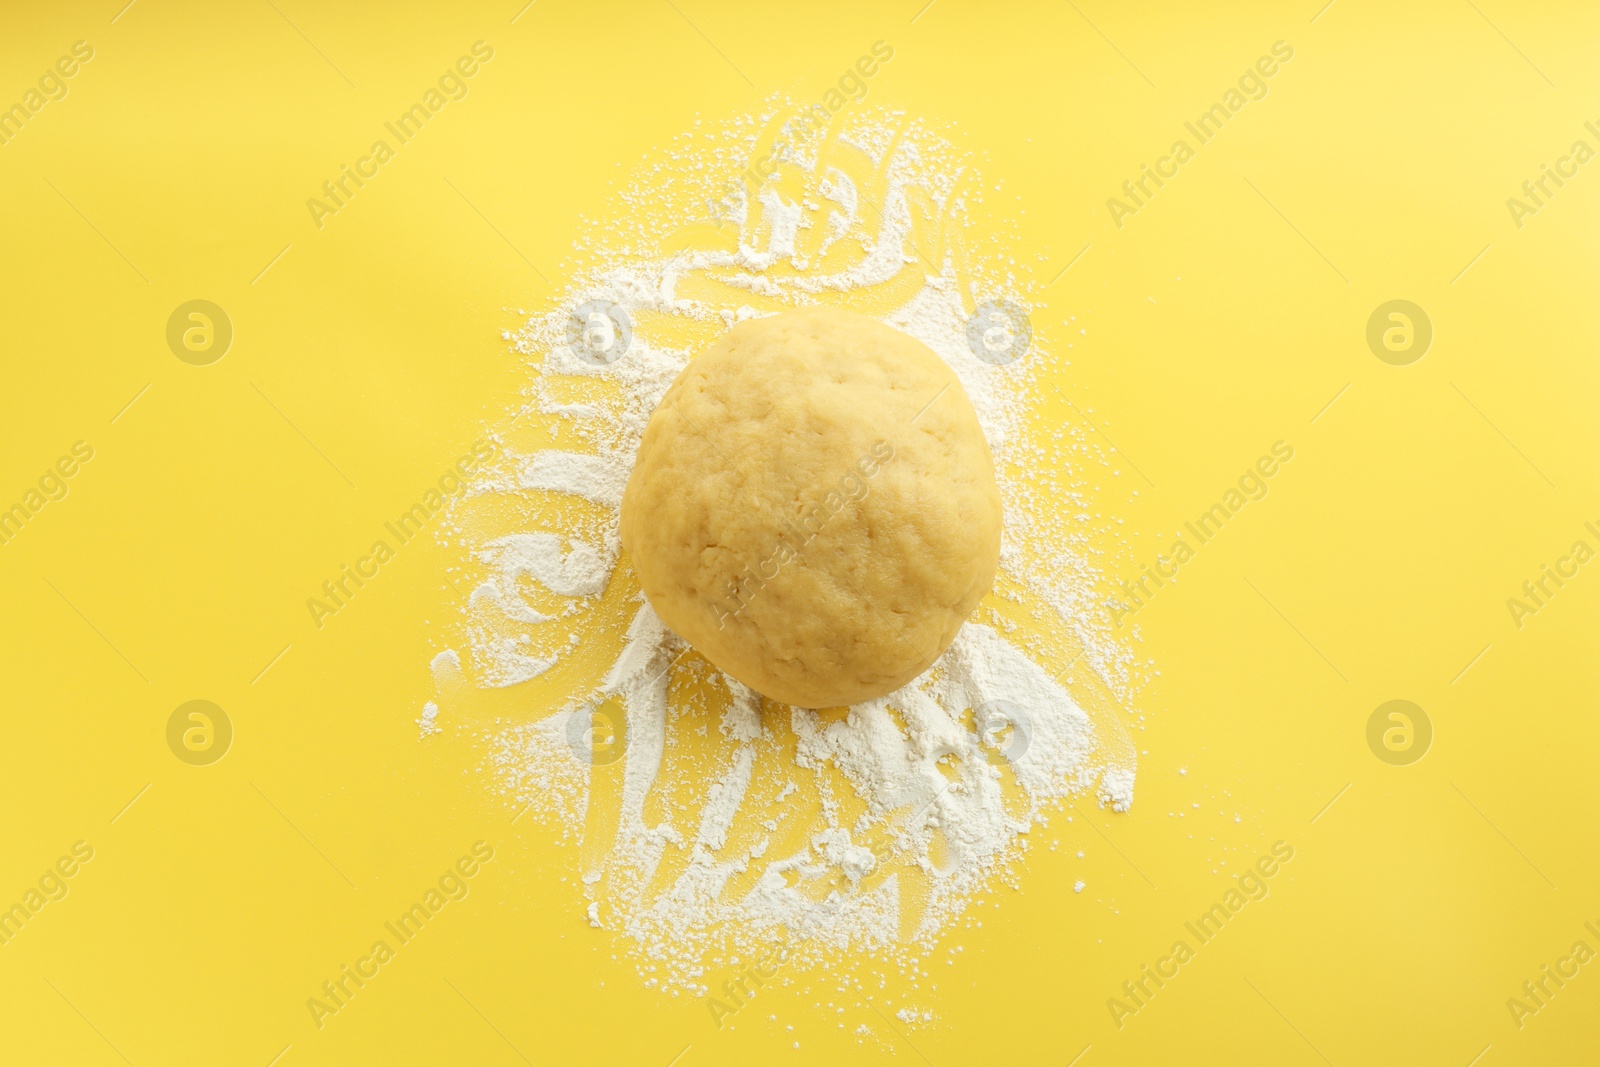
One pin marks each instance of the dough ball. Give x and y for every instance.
(814, 507)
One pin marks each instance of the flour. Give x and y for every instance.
(869, 830)
(428, 724)
(597, 478)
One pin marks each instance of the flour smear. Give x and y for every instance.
(730, 828)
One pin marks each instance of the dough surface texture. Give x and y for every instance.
(814, 507)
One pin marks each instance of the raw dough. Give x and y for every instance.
(814, 507)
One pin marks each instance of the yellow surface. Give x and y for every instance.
(368, 356)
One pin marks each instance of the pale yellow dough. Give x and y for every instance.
(814, 507)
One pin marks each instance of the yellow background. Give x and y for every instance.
(369, 355)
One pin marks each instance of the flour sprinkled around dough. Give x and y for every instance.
(729, 831)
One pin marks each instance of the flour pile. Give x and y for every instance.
(727, 827)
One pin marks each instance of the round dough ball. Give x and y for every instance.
(814, 507)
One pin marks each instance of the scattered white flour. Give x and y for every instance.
(427, 724)
(803, 832)
(501, 602)
(446, 670)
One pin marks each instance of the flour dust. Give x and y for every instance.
(727, 825)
